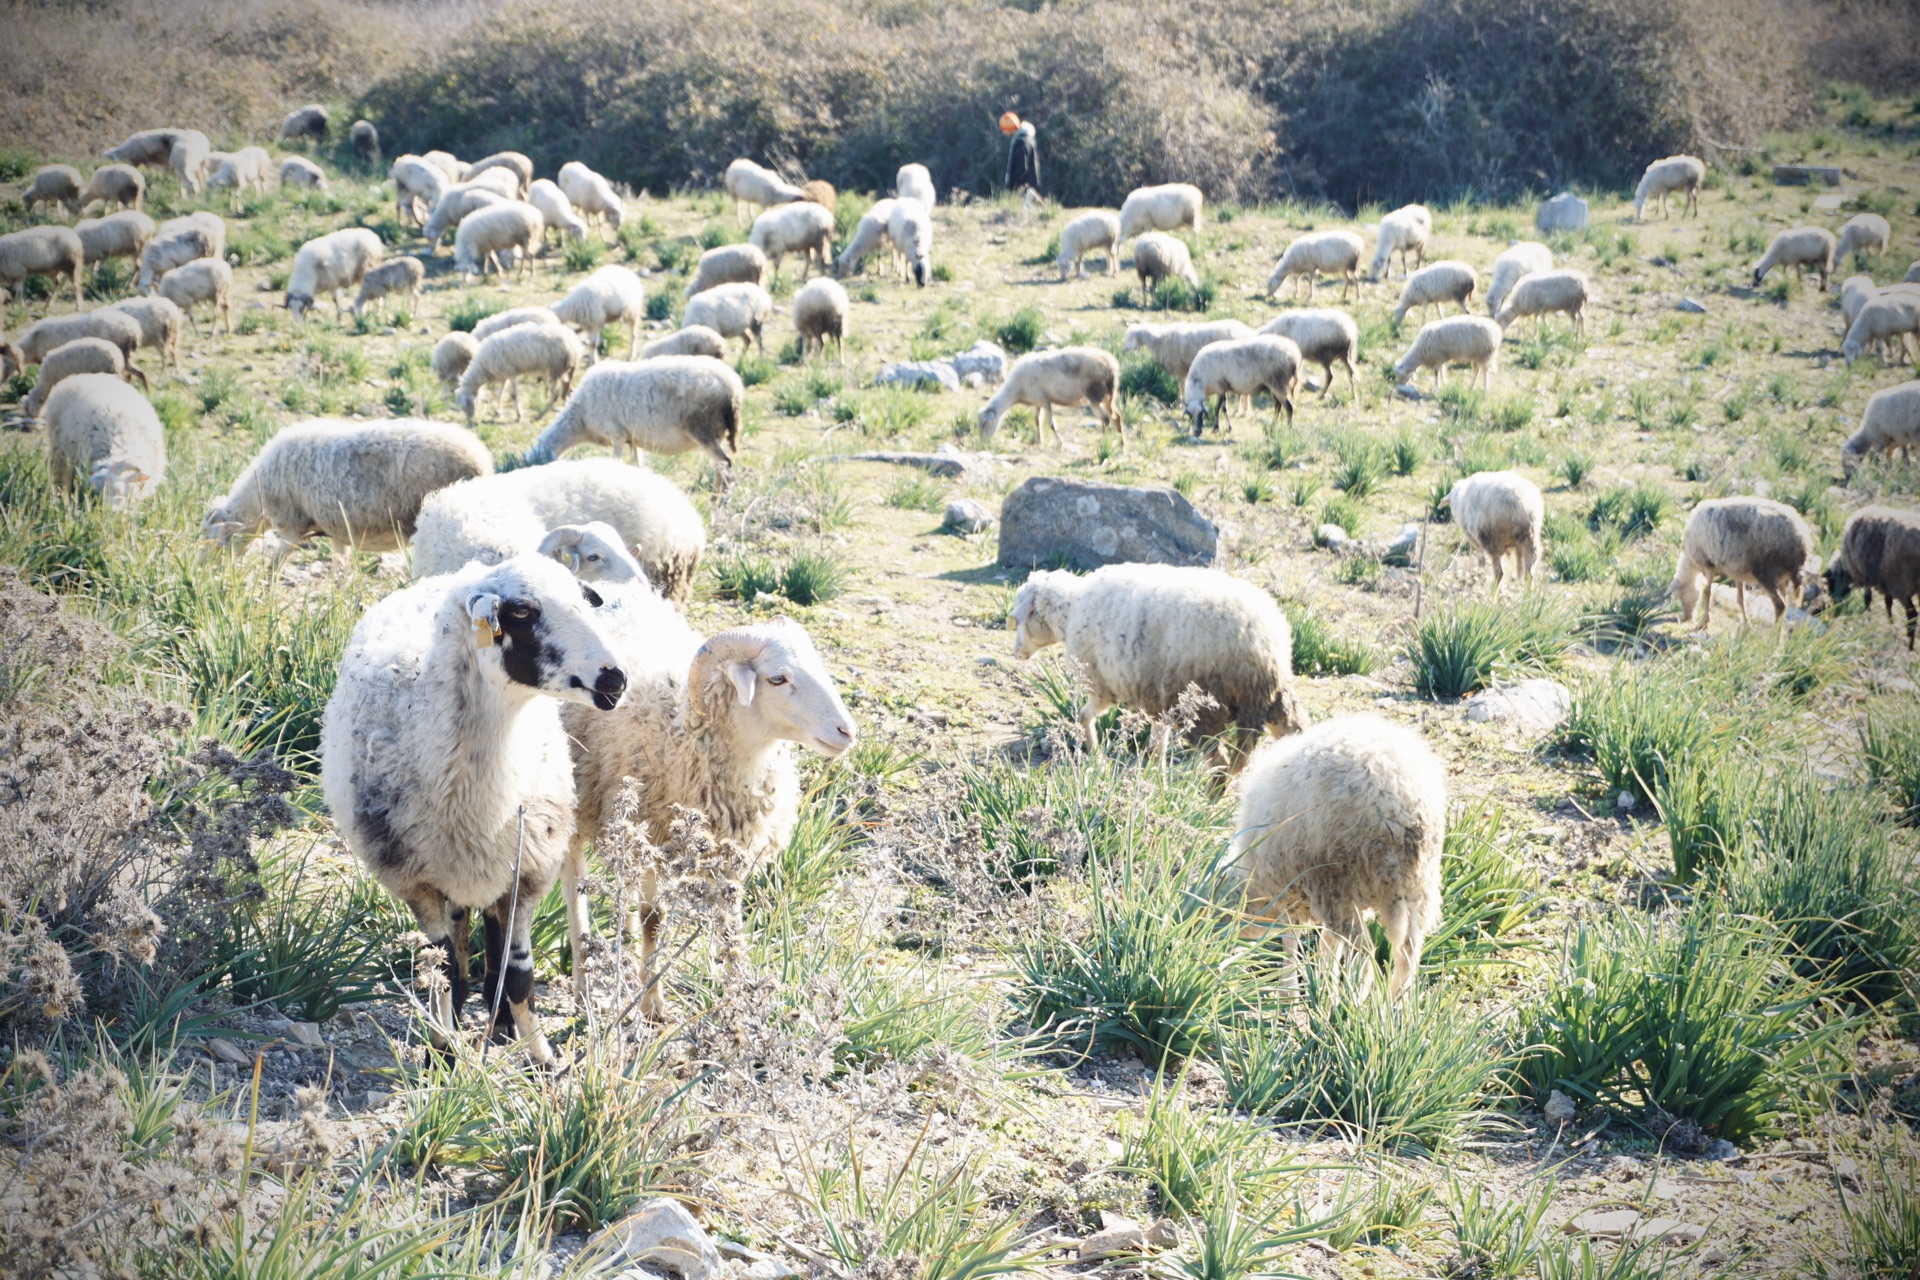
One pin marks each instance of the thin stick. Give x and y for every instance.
(1420, 573)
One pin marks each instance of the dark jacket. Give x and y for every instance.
(1023, 161)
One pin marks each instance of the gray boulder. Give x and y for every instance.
(919, 373)
(660, 1236)
(1052, 521)
(1565, 212)
(984, 361)
(967, 515)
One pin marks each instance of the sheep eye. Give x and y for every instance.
(776, 679)
(519, 611)
(593, 557)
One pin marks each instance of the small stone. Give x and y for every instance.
(1847, 1169)
(1399, 550)
(662, 1236)
(1720, 1149)
(751, 1264)
(1625, 801)
(228, 1052)
(1666, 1189)
(1533, 706)
(1407, 391)
(1560, 1108)
(1116, 1235)
(967, 515)
(1670, 1232)
(1612, 1224)
(1832, 202)
(1331, 536)
(982, 362)
(1164, 1234)
(306, 1035)
(1691, 307)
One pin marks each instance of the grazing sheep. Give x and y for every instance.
(360, 484)
(1501, 511)
(869, 234)
(692, 340)
(1143, 634)
(1865, 234)
(1890, 319)
(189, 158)
(1855, 293)
(910, 228)
(456, 171)
(1880, 551)
(1162, 208)
(453, 207)
(1404, 231)
(1434, 286)
(1544, 293)
(306, 124)
(242, 170)
(611, 295)
(160, 322)
(451, 356)
(1749, 541)
(329, 263)
(512, 162)
(298, 171)
(512, 317)
(802, 227)
(54, 184)
(554, 206)
(83, 355)
(913, 182)
(1521, 258)
(1095, 231)
(1799, 248)
(547, 351)
(1241, 367)
(821, 193)
(755, 188)
(485, 234)
(1158, 256)
(820, 312)
(1173, 346)
(118, 235)
(497, 517)
(1472, 340)
(1341, 821)
(706, 726)
(446, 767)
(732, 311)
(403, 275)
(178, 241)
(1890, 421)
(1317, 251)
(115, 326)
(592, 195)
(1325, 337)
(669, 405)
(366, 141)
(41, 251)
(111, 184)
(1666, 177)
(730, 264)
(417, 185)
(103, 431)
(1069, 376)
(147, 149)
(593, 552)
(208, 280)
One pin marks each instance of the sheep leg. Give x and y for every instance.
(226, 313)
(135, 371)
(1779, 605)
(446, 928)
(1403, 932)
(1353, 388)
(579, 920)
(513, 389)
(1913, 619)
(1499, 574)
(1740, 594)
(1706, 604)
(510, 920)
(1525, 566)
(1346, 928)
(645, 924)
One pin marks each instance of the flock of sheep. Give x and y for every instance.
(488, 717)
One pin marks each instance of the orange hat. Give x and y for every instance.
(1009, 122)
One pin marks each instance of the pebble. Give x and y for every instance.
(1691, 307)
(306, 1035)
(1669, 1231)
(1625, 801)
(228, 1052)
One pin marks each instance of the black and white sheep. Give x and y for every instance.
(112, 184)
(819, 313)
(1241, 367)
(1880, 551)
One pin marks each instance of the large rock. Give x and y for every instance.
(1052, 521)
(660, 1236)
(1565, 212)
(1532, 706)
(967, 515)
(983, 362)
(936, 374)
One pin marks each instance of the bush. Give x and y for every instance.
(1142, 376)
(1020, 332)
(1890, 742)
(1636, 725)
(1318, 652)
(1459, 649)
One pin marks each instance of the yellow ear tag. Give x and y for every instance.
(483, 633)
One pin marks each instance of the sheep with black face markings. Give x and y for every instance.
(111, 184)
(1799, 248)
(1750, 541)
(668, 405)
(54, 184)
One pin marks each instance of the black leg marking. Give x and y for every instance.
(460, 959)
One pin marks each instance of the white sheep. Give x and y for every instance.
(190, 158)
(107, 323)
(208, 280)
(820, 312)
(485, 234)
(592, 195)
(102, 431)
(365, 140)
(402, 275)
(1403, 232)
(307, 123)
(1880, 551)
(112, 184)
(1855, 293)
(181, 240)
(1545, 293)
(1158, 256)
(242, 170)
(1501, 511)
(456, 170)
(1892, 320)
(148, 148)
(1799, 248)
(1435, 285)
(557, 210)
(502, 181)
(1665, 177)
(1470, 340)
(869, 234)
(611, 295)
(160, 323)
(360, 484)
(1749, 541)
(1173, 346)
(453, 207)
(913, 182)
(1521, 258)
(910, 229)
(83, 355)
(510, 318)
(417, 186)
(1241, 367)
(550, 352)
(1890, 421)
(802, 227)
(513, 163)
(593, 552)
(1068, 376)
(328, 264)
(451, 356)
(1096, 231)
(1865, 233)
(118, 235)
(41, 251)
(446, 768)
(1335, 252)
(1163, 208)
(732, 311)
(1326, 336)
(730, 264)
(54, 184)
(298, 171)
(1345, 820)
(669, 405)
(755, 188)
(692, 340)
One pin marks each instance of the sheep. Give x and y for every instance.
(1095, 230)
(592, 195)
(1500, 511)
(593, 552)
(755, 188)
(1435, 285)
(360, 484)
(513, 316)
(1404, 231)
(170, 249)
(54, 184)
(1855, 293)
(1799, 248)
(365, 140)
(41, 251)
(1668, 176)
(668, 405)
(1880, 551)
(869, 234)
(1472, 340)
(1068, 376)
(692, 340)
(1344, 820)
(910, 228)
(148, 149)
(821, 193)
(451, 356)
(1521, 258)
(913, 182)
(189, 159)
(118, 235)
(1864, 234)
(732, 311)
(82, 355)
(454, 204)
(486, 233)
(243, 170)
(803, 227)
(706, 726)
(100, 429)
(513, 162)
(417, 185)
(306, 124)
(1892, 319)
(117, 327)
(1143, 634)
(611, 294)
(1890, 421)
(497, 517)
(403, 275)
(554, 206)
(1750, 541)
(1325, 337)
(1545, 292)
(203, 280)
(455, 170)
(1241, 367)
(11, 361)
(548, 351)
(298, 171)
(820, 312)
(730, 264)
(446, 767)
(1173, 346)
(329, 263)
(1158, 256)
(1162, 208)
(1317, 251)
(159, 321)
(112, 184)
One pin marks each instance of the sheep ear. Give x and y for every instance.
(483, 608)
(743, 677)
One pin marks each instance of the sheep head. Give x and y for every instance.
(593, 552)
(532, 627)
(1040, 609)
(772, 686)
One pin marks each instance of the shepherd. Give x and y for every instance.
(1023, 158)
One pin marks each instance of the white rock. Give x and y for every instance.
(306, 1035)
(967, 515)
(1559, 1108)
(1532, 706)
(1670, 1232)
(1116, 1235)
(1331, 536)
(1399, 550)
(984, 360)
(229, 1052)
(661, 1236)
(1613, 1224)
(1625, 801)
(916, 373)
(1565, 212)
(1720, 1149)
(751, 1264)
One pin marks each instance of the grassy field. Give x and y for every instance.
(979, 1001)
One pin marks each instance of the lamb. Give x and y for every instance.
(706, 726)
(83, 355)
(298, 171)
(189, 158)
(417, 185)
(111, 184)
(1158, 256)
(175, 243)
(1325, 337)
(1472, 340)
(403, 275)
(1096, 230)
(116, 327)
(1750, 541)
(41, 251)
(329, 263)
(820, 312)
(365, 140)
(1890, 319)
(730, 264)
(1345, 819)
(512, 162)
(242, 170)
(554, 206)
(1173, 346)
(1162, 208)
(306, 124)
(821, 193)
(54, 184)
(802, 227)
(207, 280)
(101, 429)
(755, 188)
(910, 228)
(693, 340)
(454, 169)
(1501, 511)
(118, 235)
(610, 295)
(592, 195)
(913, 182)
(548, 351)
(1521, 258)
(159, 321)
(512, 317)
(1682, 174)
(868, 235)
(1435, 285)
(593, 552)
(486, 233)
(1890, 421)
(1880, 551)
(1545, 292)
(1142, 635)
(1799, 248)
(452, 208)
(1068, 376)
(732, 311)
(451, 356)
(446, 767)
(1404, 231)
(497, 517)
(668, 405)
(1241, 367)
(1317, 251)
(1864, 234)
(361, 484)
